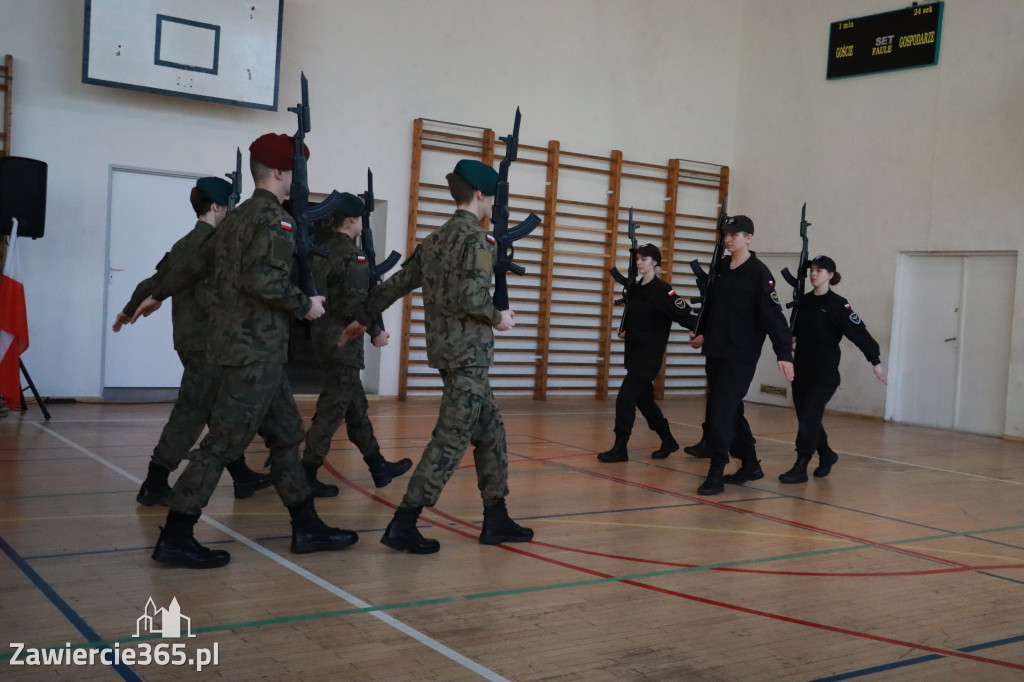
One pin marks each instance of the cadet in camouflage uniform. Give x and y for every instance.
(455, 265)
(200, 378)
(251, 256)
(344, 276)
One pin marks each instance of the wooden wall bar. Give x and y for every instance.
(564, 340)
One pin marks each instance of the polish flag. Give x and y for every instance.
(13, 326)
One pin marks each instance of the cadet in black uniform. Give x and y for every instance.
(743, 310)
(823, 319)
(651, 309)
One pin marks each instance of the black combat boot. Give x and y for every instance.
(798, 474)
(383, 471)
(246, 481)
(618, 451)
(178, 547)
(826, 458)
(668, 444)
(319, 489)
(499, 528)
(310, 534)
(155, 489)
(713, 484)
(403, 535)
(750, 470)
(699, 449)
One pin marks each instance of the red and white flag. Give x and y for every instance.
(13, 325)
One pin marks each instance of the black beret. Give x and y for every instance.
(351, 206)
(216, 190)
(479, 175)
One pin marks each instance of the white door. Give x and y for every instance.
(952, 341)
(985, 344)
(149, 211)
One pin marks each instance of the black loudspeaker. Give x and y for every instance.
(22, 195)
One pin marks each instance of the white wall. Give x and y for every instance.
(926, 159)
(649, 78)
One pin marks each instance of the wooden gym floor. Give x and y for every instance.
(907, 563)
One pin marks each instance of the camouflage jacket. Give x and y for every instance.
(189, 306)
(344, 278)
(249, 257)
(454, 265)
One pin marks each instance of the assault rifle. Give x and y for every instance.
(236, 181)
(503, 236)
(366, 237)
(304, 215)
(706, 280)
(801, 272)
(631, 273)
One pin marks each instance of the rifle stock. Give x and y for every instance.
(504, 237)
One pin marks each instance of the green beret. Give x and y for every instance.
(216, 190)
(351, 206)
(479, 175)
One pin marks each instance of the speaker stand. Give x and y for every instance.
(32, 387)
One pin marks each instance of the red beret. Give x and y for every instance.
(276, 150)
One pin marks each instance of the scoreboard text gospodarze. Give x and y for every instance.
(881, 42)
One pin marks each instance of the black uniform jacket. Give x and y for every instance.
(651, 310)
(744, 309)
(821, 323)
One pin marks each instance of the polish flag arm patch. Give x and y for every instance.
(285, 225)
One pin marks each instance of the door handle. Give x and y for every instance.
(952, 338)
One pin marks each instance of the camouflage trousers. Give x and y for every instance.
(252, 399)
(342, 398)
(468, 415)
(191, 410)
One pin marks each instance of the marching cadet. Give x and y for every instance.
(455, 265)
(200, 378)
(651, 309)
(251, 256)
(823, 319)
(744, 309)
(344, 275)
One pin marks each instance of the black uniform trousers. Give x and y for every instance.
(637, 392)
(810, 401)
(727, 428)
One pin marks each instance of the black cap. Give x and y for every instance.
(651, 251)
(738, 223)
(824, 262)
